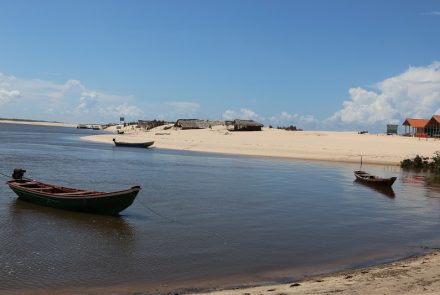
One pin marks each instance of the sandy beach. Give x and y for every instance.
(307, 145)
(410, 276)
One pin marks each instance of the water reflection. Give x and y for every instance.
(384, 190)
(429, 182)
(111, 226)
(214, 217)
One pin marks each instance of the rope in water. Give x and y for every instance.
(160, 215)
(2, 174)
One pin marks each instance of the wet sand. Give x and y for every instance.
(418, 275)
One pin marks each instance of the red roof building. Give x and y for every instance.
(415, 127)
(433, 126)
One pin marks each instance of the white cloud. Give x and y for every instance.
(435, 13)
(178, 109)
(70, 101)
(87, 102)
(284, 119)
(414, 93)
(122, 110)
(184, 107)
(6, 96)
(241, 114)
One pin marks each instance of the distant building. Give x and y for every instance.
(391, 129)
(196, 124)
(247, 125)
(149, 124)
(192, 124)
(432, 128)
(415, 127)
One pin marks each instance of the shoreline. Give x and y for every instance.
(329, 146)
(413, 275)
(38, 123)
(418, 274)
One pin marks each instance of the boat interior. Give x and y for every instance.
(56, 190)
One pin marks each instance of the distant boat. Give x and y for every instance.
(370, 179)
(110, 203)
(133, 144)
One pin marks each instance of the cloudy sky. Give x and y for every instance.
(330, 65)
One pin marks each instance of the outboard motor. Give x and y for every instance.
(18, 174)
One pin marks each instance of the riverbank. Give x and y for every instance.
(306, 145)
(420, 275)
(417, 275)
(39, 123)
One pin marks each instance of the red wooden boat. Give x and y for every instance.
(370, 179)
(72, 198)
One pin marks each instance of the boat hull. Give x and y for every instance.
(108, 203)
(374, 180)
(138, 145)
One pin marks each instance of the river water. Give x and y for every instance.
(201, 220)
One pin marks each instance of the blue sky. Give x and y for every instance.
(314, 64)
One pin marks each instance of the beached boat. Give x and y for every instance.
(71, 198)
(368, 178)
(133, 144)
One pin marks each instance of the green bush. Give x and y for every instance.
(420, 162)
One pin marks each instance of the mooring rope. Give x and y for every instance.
(161, 215)
(213, 233)
(7, 176)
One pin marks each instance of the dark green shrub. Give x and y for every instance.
(420, 162)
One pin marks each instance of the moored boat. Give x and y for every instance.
(133, 144)
(110, 203)
(371, 179)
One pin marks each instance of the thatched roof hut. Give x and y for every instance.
(247, 125)
(192, 124)
(149, 124)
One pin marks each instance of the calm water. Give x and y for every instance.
(200, 219)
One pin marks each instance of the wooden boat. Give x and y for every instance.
(133, 144)
(370, 179)
(71, 198)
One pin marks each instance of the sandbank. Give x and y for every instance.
(40, 123)
(306, 145)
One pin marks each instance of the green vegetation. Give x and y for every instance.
(425, 163)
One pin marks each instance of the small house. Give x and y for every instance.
(391, 129)
(415, 127)
(150, 124)
(247, 125)
(433, 126)
(192, 124)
